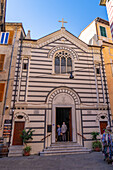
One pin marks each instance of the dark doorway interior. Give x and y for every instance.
(103, 125)
(64, 115)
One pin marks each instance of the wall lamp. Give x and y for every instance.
(71, 75)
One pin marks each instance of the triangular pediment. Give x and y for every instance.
(62, 33)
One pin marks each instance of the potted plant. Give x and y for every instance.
(27, 150)
(96, 145)
(26, 136)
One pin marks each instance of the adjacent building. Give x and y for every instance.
(99, 33)
(96, 32)
(109, 7)
(9, 43)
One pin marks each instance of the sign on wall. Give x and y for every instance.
(7, 128)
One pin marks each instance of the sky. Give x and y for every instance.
(41, 16)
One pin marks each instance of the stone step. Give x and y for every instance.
(64, 148)
(61, 149)
(15, 150)
(45, 153)
(14, 154)
(65, 143)
(16, 147)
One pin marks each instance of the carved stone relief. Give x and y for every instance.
(63, 99)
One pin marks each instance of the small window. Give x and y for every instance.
(4, 37)
(103, 31)
(2, 57)
(25, 65)
(97, 70)
(2, 86)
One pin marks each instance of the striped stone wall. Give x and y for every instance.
(36, 82)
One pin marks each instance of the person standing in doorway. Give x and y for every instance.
(59, 133)
(63, 130)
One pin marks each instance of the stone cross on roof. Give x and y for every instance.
(63, 22)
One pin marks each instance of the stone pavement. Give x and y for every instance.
(92, 161)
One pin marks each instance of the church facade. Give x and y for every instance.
(46, 96)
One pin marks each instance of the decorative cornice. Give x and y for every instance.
(98, 106)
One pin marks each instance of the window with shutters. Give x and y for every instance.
(4, 36)
(103, 31)
(2, 57)
(2, 86)
(63, 62)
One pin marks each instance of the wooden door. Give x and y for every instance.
(103, 125)
(18, 127)
(70, 125)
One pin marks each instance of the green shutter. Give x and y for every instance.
(103, 31)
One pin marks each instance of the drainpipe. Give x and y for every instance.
(6, 93)
(105, 88)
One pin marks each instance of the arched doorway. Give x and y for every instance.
(19, 123)
(64, 99)
(63, 102)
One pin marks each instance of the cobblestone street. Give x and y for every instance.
(92, 161)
